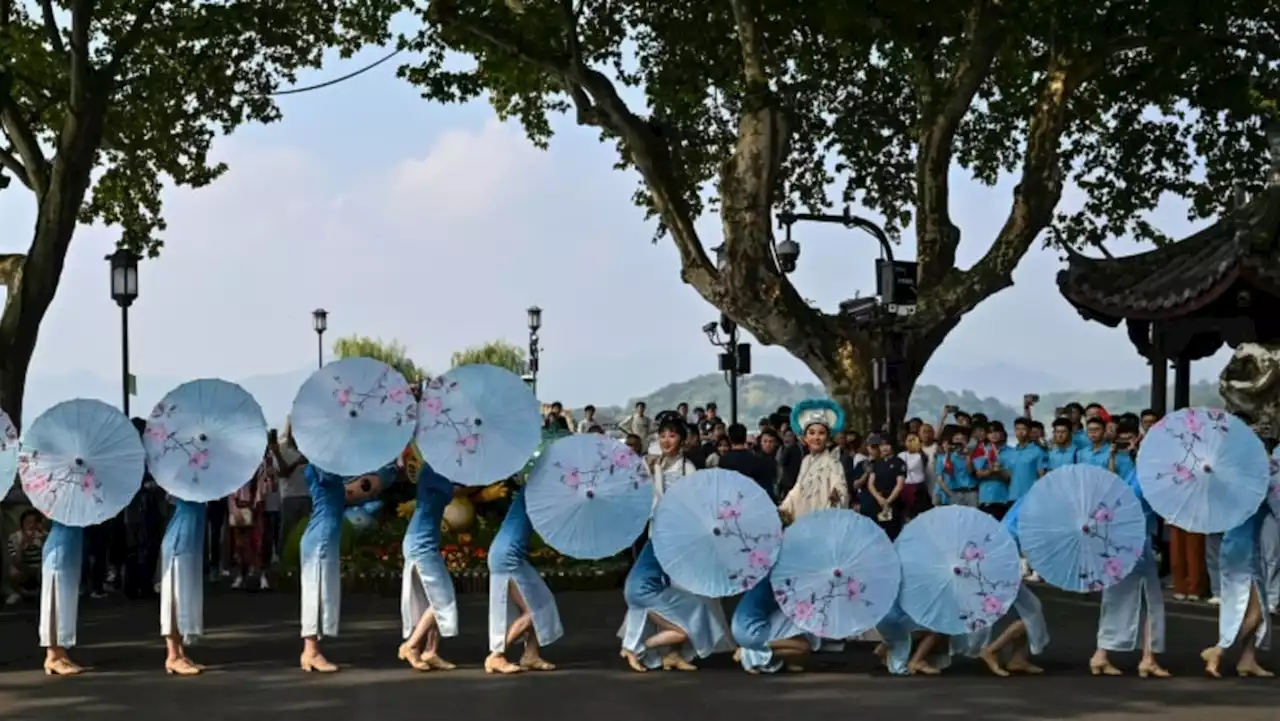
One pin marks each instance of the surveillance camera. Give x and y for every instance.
(788, 252)
(709, 328)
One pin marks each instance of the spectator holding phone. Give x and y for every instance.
(25, 548)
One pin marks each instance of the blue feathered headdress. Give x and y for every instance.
(817, 410)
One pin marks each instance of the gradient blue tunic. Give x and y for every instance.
(757, 622)
(427, 584)
(508, 565)
(182, 577)
(321, 554)
(60, 566)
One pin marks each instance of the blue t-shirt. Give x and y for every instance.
(1059, 457)
(1025, 464)
(1081, 438)
(959, 479)
(994, 488)
(1100, 457)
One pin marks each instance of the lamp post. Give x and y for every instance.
(895, 285)
(735, 357)
(320, 322)
(124, 290)
(535, 324)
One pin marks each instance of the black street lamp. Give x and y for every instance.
(735, 357)
(895, 286)
(320, 322)
(124, 290)
(535, 324)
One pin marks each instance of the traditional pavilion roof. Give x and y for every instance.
(1181, 278)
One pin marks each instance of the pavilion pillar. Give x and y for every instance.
(1181, 383)
(1159, 372)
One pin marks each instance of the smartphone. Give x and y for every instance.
(1030, 399)
(1060, 412)
(951, 409)
(1121, 445)
(272, 436)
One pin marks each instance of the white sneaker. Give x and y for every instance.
(156, 588)
(238, 583)
(1215, 601)
(1179, 596)
(13, 599)
(262, 583)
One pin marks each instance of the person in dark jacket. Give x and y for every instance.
(144, 519)
(749, 463)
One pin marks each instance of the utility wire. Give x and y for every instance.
(335, 81)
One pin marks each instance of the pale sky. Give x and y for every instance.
(438, 226)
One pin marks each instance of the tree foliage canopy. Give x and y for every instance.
(757, 105)
(496, 353)
(392, 352)
(1159, 88)
(168, 76)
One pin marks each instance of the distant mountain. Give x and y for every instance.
(1005, 381)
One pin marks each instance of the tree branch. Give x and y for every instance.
(1034, 198)
(81, 61)
(752, 46)
(51, 29)
(599, 104)
(936, 236)
(129, 42)
(25, 143)
(9, 161)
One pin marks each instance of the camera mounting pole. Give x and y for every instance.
(786, 219)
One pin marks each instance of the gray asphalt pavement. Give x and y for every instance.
(252, 650)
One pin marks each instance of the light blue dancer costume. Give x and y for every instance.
(649, 591)
(509, 563)
(427, 584)
(1241, 569)
(60, 567)
(759, 621)
(898, 631)
(182, 577)
(320, 551)
(1025, 605)
(1120, 617)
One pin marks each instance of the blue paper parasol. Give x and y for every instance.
(589, 496)
(960, 570)
(8, 453)
(205, 440)
(1203, 470)
(478, 424)
(716, 533)
(353, 416)
(837, 573)
(1082, 528)
(81, 462)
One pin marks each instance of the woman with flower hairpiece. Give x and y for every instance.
(821, 482)
(1242, 616)
(521, 607)
(1025, 636)
(428, 609)
(667, 627)
(1123, 606)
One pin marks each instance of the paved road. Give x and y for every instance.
(253, 649)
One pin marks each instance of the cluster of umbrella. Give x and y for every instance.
(953, 570)
(715, 533)
(82, 461)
